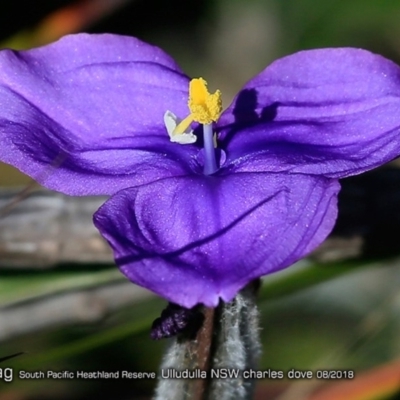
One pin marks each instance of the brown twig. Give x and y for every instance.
(204, 343)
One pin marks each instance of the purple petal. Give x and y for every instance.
(93, 104)
(198, 239)
(334, 112)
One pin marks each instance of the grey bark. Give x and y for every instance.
(48, 228)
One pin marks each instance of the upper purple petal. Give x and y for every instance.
(334, 112)
(94, 106)
(198, 239)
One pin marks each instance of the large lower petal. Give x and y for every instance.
(334, 112)
(93, 105)
(198, 239)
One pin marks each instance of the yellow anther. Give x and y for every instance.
(204, 107)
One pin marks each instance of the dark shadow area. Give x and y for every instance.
(369, 206)
(137, 18)
(396, 396)
(22, 14)
(140, 17)
(245, 113)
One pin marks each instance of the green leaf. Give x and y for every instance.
(307, 273)
(28, 285)
(141, 318)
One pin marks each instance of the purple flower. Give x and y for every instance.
(188, 221)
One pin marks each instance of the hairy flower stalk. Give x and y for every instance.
(227, 342)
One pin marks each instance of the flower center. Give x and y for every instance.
(205, 108)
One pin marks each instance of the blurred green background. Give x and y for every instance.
(339, 309)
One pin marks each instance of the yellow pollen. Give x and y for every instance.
(204, 107)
